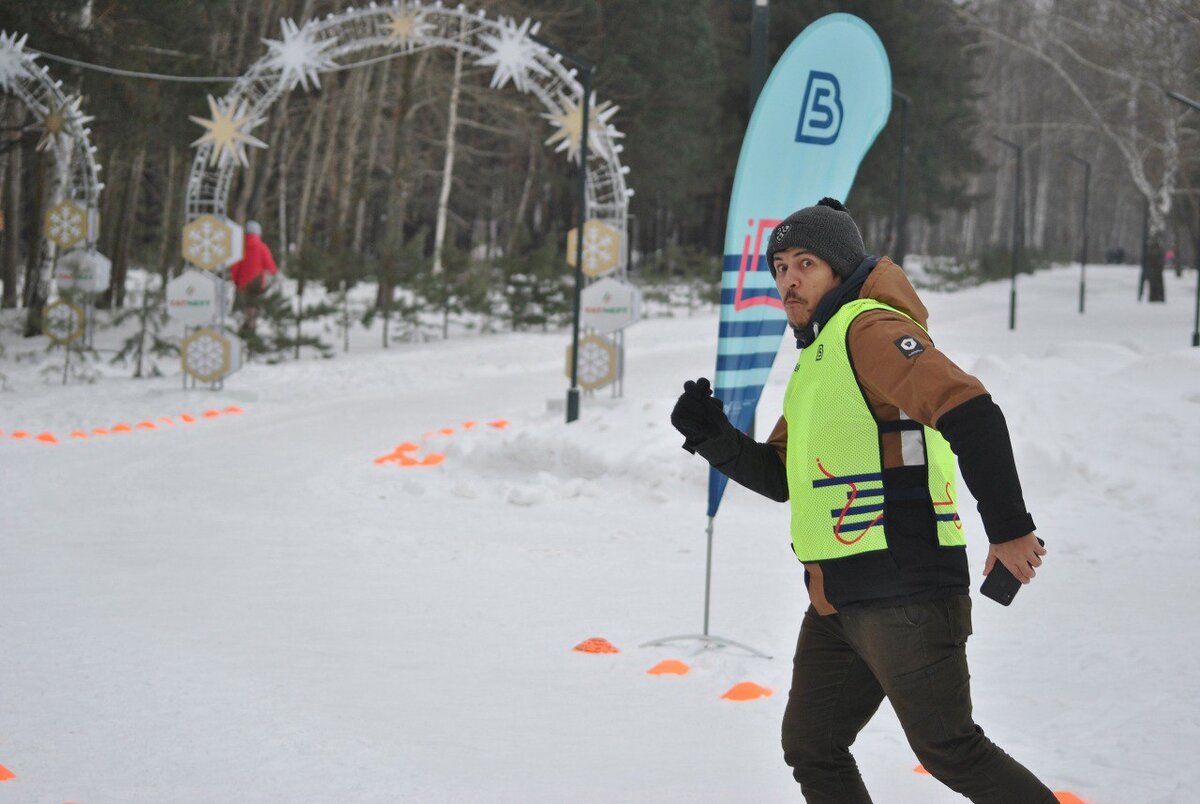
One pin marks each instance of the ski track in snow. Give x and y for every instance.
(250, 609)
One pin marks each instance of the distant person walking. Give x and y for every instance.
(873, 417)
(252, 274)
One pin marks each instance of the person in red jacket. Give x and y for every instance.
(252, 273)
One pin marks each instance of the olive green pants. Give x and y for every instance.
(915, 655)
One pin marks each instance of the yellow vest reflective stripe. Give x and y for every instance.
(834, 455)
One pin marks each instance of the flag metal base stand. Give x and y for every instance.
(707, 640)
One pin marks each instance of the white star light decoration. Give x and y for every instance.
(405, 26)
(14, 61)
(228, 131)
(56, 122)
(569, 122)
(514, 54)
(300, 56)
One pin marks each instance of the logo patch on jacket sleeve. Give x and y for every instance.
(909, 346)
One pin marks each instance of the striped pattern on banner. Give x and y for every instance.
(750, 332)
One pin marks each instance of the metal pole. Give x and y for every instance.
(1083, 247)
(1145, 241)
(586, 70)
(901, 209)
(1196, 260)
(1018, 230)
(708, 574)
(581, 218)
(759, 25)
(1196, 322)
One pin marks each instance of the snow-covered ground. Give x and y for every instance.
(249, 608)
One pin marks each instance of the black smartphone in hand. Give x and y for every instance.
(1000, 584)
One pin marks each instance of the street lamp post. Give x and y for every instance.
(901, 209)
(1196, 319)
(586, 70)
(1083, 248)
(1017, 231)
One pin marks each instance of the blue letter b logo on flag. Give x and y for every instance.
(821, 113)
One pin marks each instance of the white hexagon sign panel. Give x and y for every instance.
(85, 270)
(609, 305)
(69, 223)
(211, 242)
(597, 362)
(601, 247)
(192, 298)
(209, 355)
(63, 322)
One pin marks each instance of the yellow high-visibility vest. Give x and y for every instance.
(835, 455)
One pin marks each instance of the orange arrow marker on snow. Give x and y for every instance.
(20, 434)
(595, 645)
(433, 459)
(78, 434)
(47, 438)
(6, 774)
(499, 424)
(233, 409)
(166, 420)
(921, 769)
(122, 428)
(746, 691)
(1068, 798)
(469, 425)
(211, 414)
(99, 431)
(407, 446)
(187, 418)
(669, 667)
(147, 425)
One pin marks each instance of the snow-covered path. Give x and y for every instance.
(250, 609)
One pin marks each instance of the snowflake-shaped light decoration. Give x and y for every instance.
(57, 121)
(569, 124)
(63, 321)
(207, 242)
(405, 26)
(206, 355)
(66, 224)
(14, 61)
(228, 131)
(599, 249)
(300, 57)
(597, 362)
(513, 54)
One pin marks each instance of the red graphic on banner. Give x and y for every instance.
(739, 301)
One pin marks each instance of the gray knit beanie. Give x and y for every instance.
(826, 230)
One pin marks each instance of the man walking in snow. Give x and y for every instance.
(252, 273)
(873, 418)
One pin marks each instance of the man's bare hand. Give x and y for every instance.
(1020, 556)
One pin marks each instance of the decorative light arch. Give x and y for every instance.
(332, 43)
(65, 134)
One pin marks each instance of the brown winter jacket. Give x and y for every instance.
(926, 386)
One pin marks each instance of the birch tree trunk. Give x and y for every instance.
(168, 220)
(12, 227)
(115, 297)
(310, 172)
(439, 235)
(360, 211)
(345, 177)
(283, 187)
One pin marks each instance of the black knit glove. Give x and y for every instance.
(698, 414)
